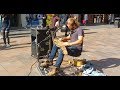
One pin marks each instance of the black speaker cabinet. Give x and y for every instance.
(40, 48)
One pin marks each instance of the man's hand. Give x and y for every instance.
(60, 39)
(65, 44)
(63, 39)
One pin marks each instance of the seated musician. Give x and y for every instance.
(74, 47)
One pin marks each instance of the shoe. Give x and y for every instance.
(46, 64)
(7, 45)
(54, 71)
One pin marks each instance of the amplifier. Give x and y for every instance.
(39, 47)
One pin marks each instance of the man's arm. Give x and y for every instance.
(65, 38)
(79, 41)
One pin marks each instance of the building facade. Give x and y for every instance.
(97, 18)
(19, 20)
(92, 18)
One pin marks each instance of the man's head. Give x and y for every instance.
(72, 23)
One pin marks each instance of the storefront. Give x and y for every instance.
(31, 19)
(94, 18)
(14, 20)
(19, 20)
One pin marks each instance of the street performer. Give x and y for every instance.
(74, 47)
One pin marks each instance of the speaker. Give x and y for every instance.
(41, 42)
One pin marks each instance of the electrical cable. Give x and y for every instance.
(31, 68)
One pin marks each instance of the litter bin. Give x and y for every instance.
(117, 22)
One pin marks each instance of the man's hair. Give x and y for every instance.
(73, 21)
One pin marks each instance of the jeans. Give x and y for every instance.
(5, 33)
(73, 51)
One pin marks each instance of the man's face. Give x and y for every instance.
(70, 26)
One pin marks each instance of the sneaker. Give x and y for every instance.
(7, 45)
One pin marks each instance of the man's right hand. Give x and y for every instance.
(60, 39)
(63, 39)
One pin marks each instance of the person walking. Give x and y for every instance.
(5, 29)
(0, 26)
(109, 18)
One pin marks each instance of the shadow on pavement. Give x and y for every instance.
(19, 36)
(10, 42)
(19, 29)
(85, 51)
(90, 32)
(106, 63)
(20, 44)
(85, 29)
(15, 47)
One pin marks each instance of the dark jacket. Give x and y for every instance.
(6, 22)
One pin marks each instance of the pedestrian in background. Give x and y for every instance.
(44, 20)
(0, 26)
(85, 20)
(55, 23)
(27, 20)
(55, 19)
(40, 18)
(109, 18)
(5, 29)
